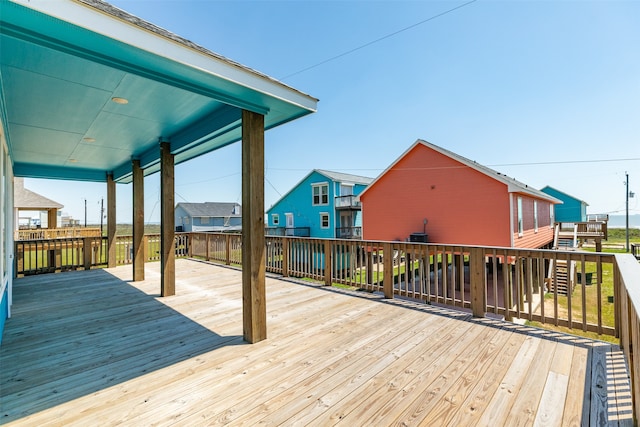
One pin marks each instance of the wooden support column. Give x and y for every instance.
(111, 221)
(253, 241)
(138, 221)
(167, 222)
(52, 218)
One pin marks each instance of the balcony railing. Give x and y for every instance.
(349, 232)
(347, 202)
(57, 233)
(288, 231)
(585, 230)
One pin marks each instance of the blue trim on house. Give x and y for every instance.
(4, 311)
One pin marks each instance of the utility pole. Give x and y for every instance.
(85, 213)
(627, 194)
(101, 214)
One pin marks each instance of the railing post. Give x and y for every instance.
(285, 257)
(145, 248)
(387, 265)
(207, 241)
(86, 252)
(227, 257)
(328, 262)
(476, 281)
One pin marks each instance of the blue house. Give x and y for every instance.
(571, 209)
(323, 205)
(208, 216)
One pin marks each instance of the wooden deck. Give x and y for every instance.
(93, 348)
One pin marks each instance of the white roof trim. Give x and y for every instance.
(110, 26)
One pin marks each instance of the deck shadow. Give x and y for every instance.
(75, 333)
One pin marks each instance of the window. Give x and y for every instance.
(552, 209)
(204, 220)
(520, 223)
(535, 216)
(275, 219)
(320, 194)
(346, 190)
(324, 220)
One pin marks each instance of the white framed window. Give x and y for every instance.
(324, 220)
(275, 219)
(535, 216)
(204, 220)
(320, 194)
(346, 189)
(520, 218)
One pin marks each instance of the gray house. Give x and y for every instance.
(208, 216)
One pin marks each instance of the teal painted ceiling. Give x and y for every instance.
(59, 119)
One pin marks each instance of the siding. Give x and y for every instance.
(462, 205)
(571, 209)
(531, 238)
(299, 202)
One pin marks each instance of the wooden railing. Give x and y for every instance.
(586, 229)
(514, 283)
(57, 233)
(628, 313)
(151, 247)
(63, 254)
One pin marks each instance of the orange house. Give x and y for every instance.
(454, 200)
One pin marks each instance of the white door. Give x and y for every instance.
(289, 224)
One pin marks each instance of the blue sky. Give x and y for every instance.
(547, 92)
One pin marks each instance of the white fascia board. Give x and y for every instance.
(110, 26)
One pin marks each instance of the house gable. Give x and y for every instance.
(462, 202)
(572, 209)
(299, 202)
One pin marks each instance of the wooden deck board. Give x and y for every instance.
(91, 347)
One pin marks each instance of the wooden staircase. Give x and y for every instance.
(560, 272)
(562, 282)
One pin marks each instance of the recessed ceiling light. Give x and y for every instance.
(118, 100)
(73, 161)
(88, 139)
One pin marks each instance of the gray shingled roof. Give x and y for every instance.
(25, 199)
(345, 177)
(211, 209)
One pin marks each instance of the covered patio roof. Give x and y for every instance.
(85, 88)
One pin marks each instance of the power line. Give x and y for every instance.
(559, 162)
(348, 52)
